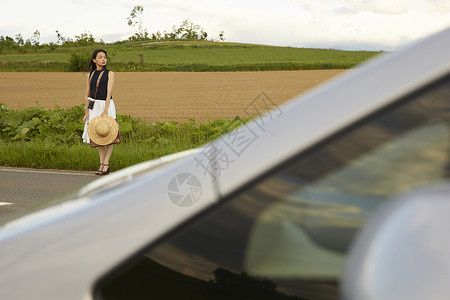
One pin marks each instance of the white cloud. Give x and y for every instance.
(380, 6)
(441, 6)
(353, 24)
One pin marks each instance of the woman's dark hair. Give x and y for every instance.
(92, 65)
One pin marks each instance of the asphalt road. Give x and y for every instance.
(23, 189)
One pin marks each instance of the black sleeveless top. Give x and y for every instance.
(102, 89)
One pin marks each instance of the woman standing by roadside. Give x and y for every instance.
(99, 87)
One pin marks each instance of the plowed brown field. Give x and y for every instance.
(171, 96)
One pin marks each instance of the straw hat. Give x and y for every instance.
(103, 130)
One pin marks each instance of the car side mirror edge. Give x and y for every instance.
(404, 250)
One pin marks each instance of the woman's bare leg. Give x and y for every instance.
(107, 156)
(101, 154)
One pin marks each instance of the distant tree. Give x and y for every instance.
(19, 40)
(20, 43)
(84, 39)
(189, 31)
(62, 40)
(7, 42)
(157, 35)
(35, 38)
(59, 37)
(170, 35)
(222, 36)
(135, 19)
(186, 31)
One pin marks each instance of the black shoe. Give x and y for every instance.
(99, 170)
(106, 172)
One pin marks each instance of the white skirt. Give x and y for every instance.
(99, 107)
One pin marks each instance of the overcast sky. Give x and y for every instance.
(338, 24)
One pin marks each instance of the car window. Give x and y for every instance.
(286, 236)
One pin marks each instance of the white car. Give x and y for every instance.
(339, 193)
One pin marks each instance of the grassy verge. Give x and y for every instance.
(51, 139)
(193, 56)
(80, 156)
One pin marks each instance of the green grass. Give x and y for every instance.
(42, 155)
(51, 139)
(187, 56)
